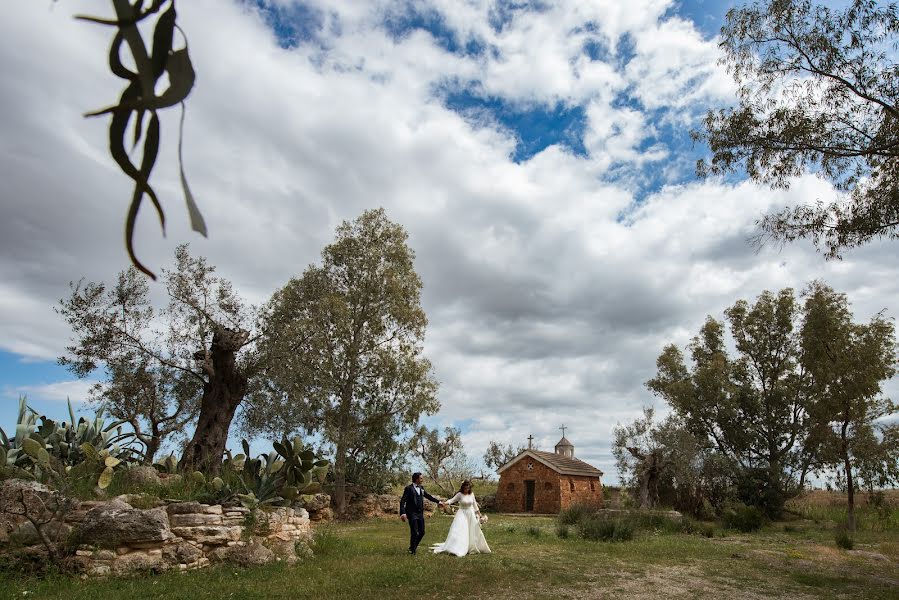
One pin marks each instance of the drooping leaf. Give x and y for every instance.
(163, 36)
(181, 80)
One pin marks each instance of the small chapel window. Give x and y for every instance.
(571, 484)
(592, 486)
(547, 486)
(510, 487)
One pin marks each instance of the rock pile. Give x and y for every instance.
(116, 538)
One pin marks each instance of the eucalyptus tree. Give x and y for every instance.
(752, 407)
(166, 365)
(343, 347)
(818, 91)
(849, 363)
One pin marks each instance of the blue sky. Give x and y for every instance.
(537, 153)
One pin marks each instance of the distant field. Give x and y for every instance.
(796, 560)
(826, 506)
(828, 498)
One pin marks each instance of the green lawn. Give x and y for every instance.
(368, 560)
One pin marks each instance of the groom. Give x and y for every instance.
(412, 509)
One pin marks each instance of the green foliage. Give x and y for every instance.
(12, 449)
(817, 93)
(326, 541)
(576, 513)
(43, 448)
(66, 441)
(753, 408)
(282, 475)
(844, 539)
(346, 338)
(439, 456)
(602, 529)
(745, 519)
(849, 416)
(497, 455)
(140, 98)
(562, 530)
(160, 361)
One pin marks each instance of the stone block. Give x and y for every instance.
(112, 526)
(183, 508)
(211, 534)
(194, 519)
(181, 553)
(138, 562)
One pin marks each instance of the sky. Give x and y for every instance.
(537, 153)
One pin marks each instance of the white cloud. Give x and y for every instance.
(76, 390)
(549, 290)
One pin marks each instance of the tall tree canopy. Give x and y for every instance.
(848, 363)
(344, 347)
(751, 407)
(165, 365)
(818, 91)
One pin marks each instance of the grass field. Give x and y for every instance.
(368, 560)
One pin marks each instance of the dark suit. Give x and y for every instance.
(412, 504)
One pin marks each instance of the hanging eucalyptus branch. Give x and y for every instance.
(139, 98)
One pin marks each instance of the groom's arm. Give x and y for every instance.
(430, 497)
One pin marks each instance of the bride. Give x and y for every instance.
(465, 532)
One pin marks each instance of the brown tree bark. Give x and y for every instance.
(850, 484)
(340, 452)
(223, 392)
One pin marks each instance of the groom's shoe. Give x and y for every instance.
(411, 551)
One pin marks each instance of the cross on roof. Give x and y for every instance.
(530, 440)
(563, 428)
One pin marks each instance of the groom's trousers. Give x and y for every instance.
(416, 530)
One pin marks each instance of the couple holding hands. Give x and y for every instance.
(465, 535)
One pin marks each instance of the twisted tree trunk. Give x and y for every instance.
(223, 392)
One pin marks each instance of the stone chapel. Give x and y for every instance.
(547, 482)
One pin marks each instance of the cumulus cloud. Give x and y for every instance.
(549, 283)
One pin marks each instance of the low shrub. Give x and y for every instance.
(562, 530)
(576, 513)
(745, 519)
(534, 531)
(606, 530)
(844, 540)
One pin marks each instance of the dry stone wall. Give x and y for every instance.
(115, 538)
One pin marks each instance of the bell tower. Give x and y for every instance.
(563, 446)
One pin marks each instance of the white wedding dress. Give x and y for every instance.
(465, 535)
